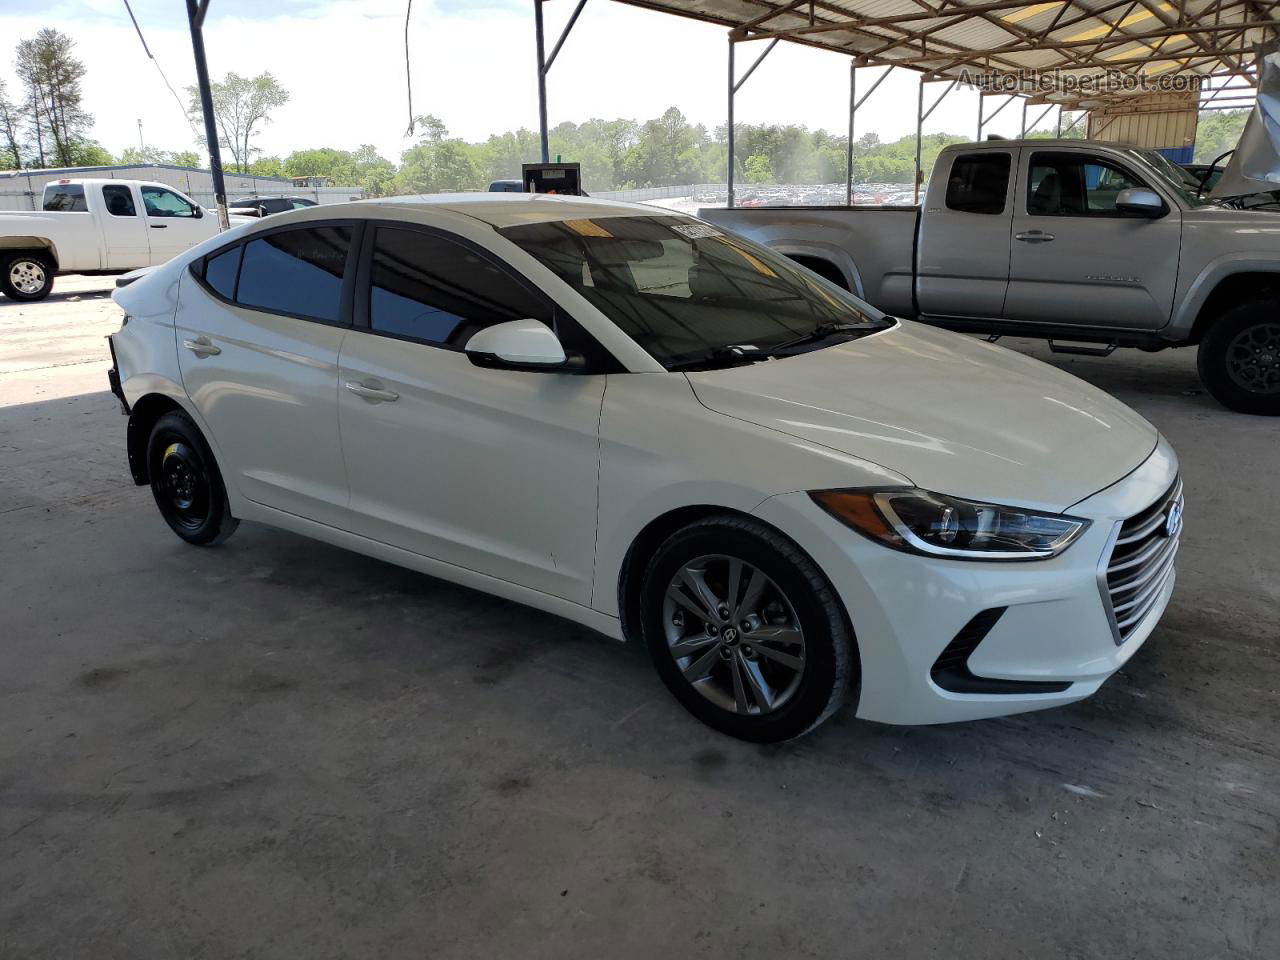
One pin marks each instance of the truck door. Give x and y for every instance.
(124, 232)
(174, 223)
(1075, 259)
(963, 260)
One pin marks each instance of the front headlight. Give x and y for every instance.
(919, 521)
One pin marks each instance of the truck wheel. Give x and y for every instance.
(26, 277)
(1239, 358)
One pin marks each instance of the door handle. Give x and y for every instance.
(159, 226)
(1033, 236)
(201, 347)
(372, 394)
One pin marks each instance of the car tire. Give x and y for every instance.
(775, 659)
(186, 483)
(26, 276)
(1239, 358)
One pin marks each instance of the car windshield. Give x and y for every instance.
(1179, 179)
(692, 295)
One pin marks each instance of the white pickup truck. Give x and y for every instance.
(1091, 245)
(95, 227)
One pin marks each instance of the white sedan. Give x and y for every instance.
(665, 432)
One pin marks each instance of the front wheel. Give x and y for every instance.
(745, 630)
(186, 483)
(26, 277)
(1239, 358)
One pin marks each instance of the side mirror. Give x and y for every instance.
(519, 345)
(1140, 202)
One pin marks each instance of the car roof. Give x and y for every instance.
(510, 209)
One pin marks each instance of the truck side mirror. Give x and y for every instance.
(1140, 202)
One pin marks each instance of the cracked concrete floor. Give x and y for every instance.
(278, 749)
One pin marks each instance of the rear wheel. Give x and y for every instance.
(26, 276)
(1239, 358)
(745, 630)
(186, 483)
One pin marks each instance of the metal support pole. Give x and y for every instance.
(1058, 129)
(542, 81)
(729, 132)
(1023, 133)
(544, 65)
(853, 108)
(982, 102)
(196, 10)
(919, 133)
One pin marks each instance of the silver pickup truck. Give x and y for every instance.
(1090, 245)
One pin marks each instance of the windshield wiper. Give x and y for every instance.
(823, 330)
(730, 356)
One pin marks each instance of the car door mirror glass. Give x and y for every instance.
(517, 344)
(1139, 202)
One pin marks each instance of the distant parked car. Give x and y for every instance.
(265, 206)
(506, 186)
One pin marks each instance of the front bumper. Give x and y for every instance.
(1051, 642)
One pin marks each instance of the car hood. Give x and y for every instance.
(954, 414)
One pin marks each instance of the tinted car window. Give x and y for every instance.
(979, 182)
(430, 288)
(220, 272)
(1067, 185)
(64, 198)
(119, 201)
(165, 203)
(296, 271)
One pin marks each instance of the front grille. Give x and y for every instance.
(1141, 563)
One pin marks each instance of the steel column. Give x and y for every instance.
(982, 102)
(853, 108)
(919, 132)
(544, 64)
(729, 131)
(196, 10)
(1022, 133)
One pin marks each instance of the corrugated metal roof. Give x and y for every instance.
(1081, 49)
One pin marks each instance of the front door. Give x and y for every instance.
(258, 339)
(963, 262)
(1075, 259)
(124, 233)
(491, 470)
(174, 223)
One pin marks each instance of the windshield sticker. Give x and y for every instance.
(696, 231)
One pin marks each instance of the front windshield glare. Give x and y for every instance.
(687, 292)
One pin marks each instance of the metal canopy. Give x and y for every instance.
(1076, 38)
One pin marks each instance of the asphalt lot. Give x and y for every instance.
(280, 749)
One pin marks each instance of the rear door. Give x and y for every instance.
(174, 223)
(259, 329)
(124, 230)
(492, 470)
(1075, 259)
(963, 261)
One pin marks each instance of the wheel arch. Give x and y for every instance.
(142, 419)
(1231, 291)
(30, 244)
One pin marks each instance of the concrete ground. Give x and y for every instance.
(279, 749)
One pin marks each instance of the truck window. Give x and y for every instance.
(64, 198)
(979, 182)
(1075, 185)
(165, 203)
(119, 200)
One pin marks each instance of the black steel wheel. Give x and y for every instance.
(1239, 358)
(186, 483)
(745, 630)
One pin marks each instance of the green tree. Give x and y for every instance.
(758, 169)
(241, 105)
(10, 146)
(51, 76)
(1217, 132)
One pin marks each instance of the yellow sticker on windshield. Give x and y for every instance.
(587, 228)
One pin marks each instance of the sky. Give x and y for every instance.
(473, 66)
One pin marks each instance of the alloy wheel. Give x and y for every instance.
(1253, 358)
(27, 276)
(734, 635)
